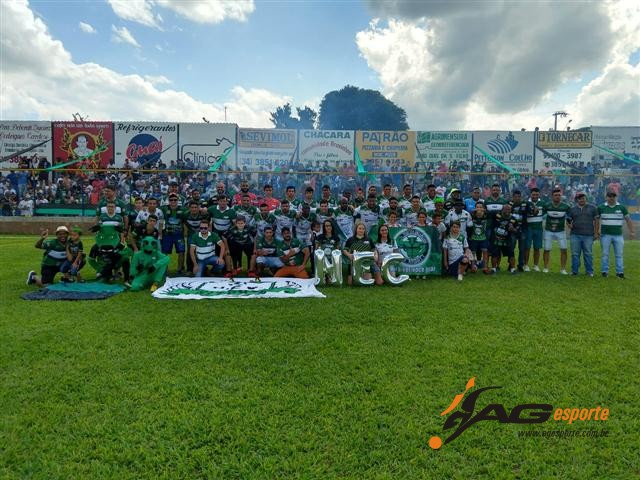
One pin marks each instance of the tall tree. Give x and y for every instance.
(353, 108)
(282, 117)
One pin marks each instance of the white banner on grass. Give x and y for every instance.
(217, 288)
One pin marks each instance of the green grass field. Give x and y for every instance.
(350, 386)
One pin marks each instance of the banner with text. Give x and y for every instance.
(560, 148)
(421, 249)
(267, 148)
(621, 140)
(330, 148)
(220, 288)
(512, 148)
(145, 143)
(204, 143)
(89, 142)
(379, 149)
(434, 148)
(19, 136)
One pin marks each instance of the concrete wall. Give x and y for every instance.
(35, 225)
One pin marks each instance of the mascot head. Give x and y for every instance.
(149, 245)
(107, 239)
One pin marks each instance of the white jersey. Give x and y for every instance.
(463, 217)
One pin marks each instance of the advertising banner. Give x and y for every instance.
(326, 148)
(202, 144)
(268, 148)
(621, 140)
(565, 139)
(557, 149)
(511, 148)
(379, 149)
(433, 148)
(19, 136)
(146, 143)
(91, 143)
(421, 249)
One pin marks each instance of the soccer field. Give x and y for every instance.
(351, 386)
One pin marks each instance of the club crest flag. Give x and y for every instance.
(219, 288)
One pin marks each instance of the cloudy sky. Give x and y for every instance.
(449, 64)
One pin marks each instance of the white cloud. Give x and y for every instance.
(122, 35)
(202, 11)
(139, 11)
(157, 79)
(41, 81)
(86, 28)
(455, 64)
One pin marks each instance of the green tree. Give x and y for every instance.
(282, 117)
(353, 108)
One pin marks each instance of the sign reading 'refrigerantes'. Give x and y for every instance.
(565, 139)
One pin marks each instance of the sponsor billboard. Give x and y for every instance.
(565, 139)
(204, 143)
(146, 143)
(331, 148)
(19, 136)
(448, 147)
(512, 148)
(561, 148)
(266, 147)
(381, 148)
(621, 140)
(91, 143)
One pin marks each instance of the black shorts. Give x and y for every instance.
(502, 250)
(48, 272)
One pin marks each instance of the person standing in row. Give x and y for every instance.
(582, 221)
(612, 216)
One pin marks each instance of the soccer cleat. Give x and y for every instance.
(513, 271)
(460, 277)
(536, 268)
(564, 272)
(620, 275)
(229, 275)
(545, 270)
(494, 271)
(154, 287)
(238, 271)
(526, 268)
(605, 274)
(30, 279)
(252, 274)
(485, 271)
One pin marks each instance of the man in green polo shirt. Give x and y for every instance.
(556, 211)
(203, 250)
(55, 253)
(612, 216)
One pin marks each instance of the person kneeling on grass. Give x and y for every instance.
(75, 257)
(148, 266)
(456, 252)
(55, 253)
(203, 250)
(293, 255)
(266, 254)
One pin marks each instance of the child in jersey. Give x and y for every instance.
(456, 253)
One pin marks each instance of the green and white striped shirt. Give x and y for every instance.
(612, 218)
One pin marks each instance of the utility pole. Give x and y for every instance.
(225, 114)
(555, 121)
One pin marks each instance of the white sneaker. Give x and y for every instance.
(30, 279)
(545, 270)
(460, 277)
(564, 272)
(536, 268)
(526, 268)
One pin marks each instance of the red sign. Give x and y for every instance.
(91, 143)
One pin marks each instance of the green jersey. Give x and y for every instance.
(322, 216)
(535, 214)
(75, 249)
(327, 244)
(239, 237)
(284, 220)
(261, 222)
(303, 228)
(478, 227)
(494, 206)
(556, 216)
(173, 220)
(116, 221)
(298, 248)
(205, 246)
(355, 244)
(398, 211)
(368, 216)
(248, 213)
(270, 248)
(222, 219)
(121, 207)
(192, 222)
(344, 221)
(612, 218)
(55, 252)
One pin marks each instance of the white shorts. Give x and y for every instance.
(549, 237)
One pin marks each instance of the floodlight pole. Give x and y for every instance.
(555, 121)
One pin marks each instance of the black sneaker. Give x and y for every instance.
(605, 274)
(30, 279)
(620, 275)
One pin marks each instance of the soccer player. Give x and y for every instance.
(458, 214)
(612, 216)
(407, 194)
(326, 195)
(394, 207)
(308, 200)
(519, 209)
(428, 201)
(410, 216)
(505, 228)
(470, 202)
(152, 209)
(556, 211)
(55, 253)
(290, 196)
(191, 219)
(203, 250)
(344, 219)
(248, 211)
(369, 214)
(171, 232)
(455, 196)
(109, 193)
(293, 254)
(494, 203)
(455, 251)
(272, 203)
(240, 241)
(533, 219)
(285, 217)
(244, 190)
(266, 254)
(324, 212)
(478, 242)
(384, 199)
(222, 217)
(262, 219)
(302, 224)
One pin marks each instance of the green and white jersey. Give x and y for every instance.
(428, 203)
(344, 222)
(479, 228)
(192, 222)
(74, 248)
(404, 202)
(115, 221)
(240, 237)
(332, 202)
(205, 246)
(463, 217)
(121, 207)
(284, 220)
(398, 211)
(556, 216)
(143, 215)
(383, 202)
(494, 206)
(164, 201)
(313, 205)
(271, 248)
(261, 222)
(303, 228)
(55, 252)
(297, 247)
(172, 220)
(612, 218)
(322, 216)
(410, 216)
(293, 204)
(222, 219)
(368, 216)
(248, 214)
(455, 247)
(534, 222)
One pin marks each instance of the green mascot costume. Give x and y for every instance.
(109, 254)
(148, 266)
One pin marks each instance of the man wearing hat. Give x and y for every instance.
(612, 216)
(582, 221)
(55, 253)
